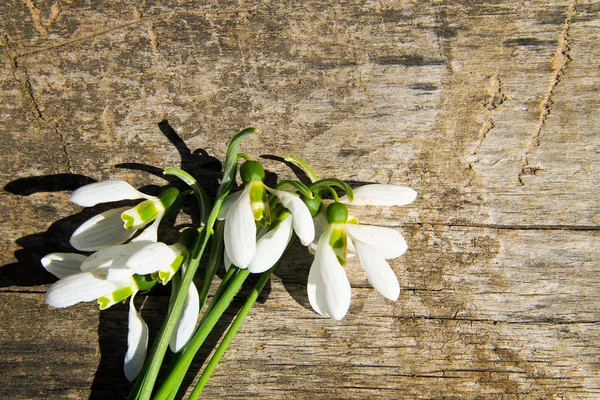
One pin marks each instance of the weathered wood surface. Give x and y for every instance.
(488, 109)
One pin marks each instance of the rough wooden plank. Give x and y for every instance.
(485, 108)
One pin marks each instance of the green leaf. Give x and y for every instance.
(231, 162)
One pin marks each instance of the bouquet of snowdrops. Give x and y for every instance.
(247, 231)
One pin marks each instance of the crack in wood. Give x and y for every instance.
(508, 227)
(560, 62)
(22, 78)
(82, 38)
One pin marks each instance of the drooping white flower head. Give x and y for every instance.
(114, 273)
(381, 195)
(186, 325)
(137, 343)
(242, 211)
(328, 286)
(103, 276)
(116, 226)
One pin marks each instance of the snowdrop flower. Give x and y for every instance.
(102, 276)
(115, 273)
(328, 286)
(116, 226)
(243, 210)
(82, 279)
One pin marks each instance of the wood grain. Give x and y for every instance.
(487, 109)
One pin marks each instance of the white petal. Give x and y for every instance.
(104, 192)
(150, 233)
(381, 195)
(137, 343)
(63, 264)
(187, 321)
(121, 276)
(328, 286)
(226, 260)
(103, 230)
(387, 242)
(240, 232)
(271, 246)
(378, 271)
(303, 223)
(227, 203)
(76, 288)
(150, 258)
(111, 257)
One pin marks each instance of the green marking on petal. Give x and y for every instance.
(121, 294)
(128, 220)
(105, 302)
(259, 202)
(339, 243)
(139, 216)
(164, 275)
(115, 297)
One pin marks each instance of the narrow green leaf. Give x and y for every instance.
(231, 161)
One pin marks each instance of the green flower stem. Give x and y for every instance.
(144, 385)
(216, 255)
(237, 323)
(176, 357)
(328, 184)
(209, 321)
(309, 171)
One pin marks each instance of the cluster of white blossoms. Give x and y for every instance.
(339, 236)
(121, 266)
(124, 255)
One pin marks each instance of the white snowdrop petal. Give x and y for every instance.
(379, 272)
(303, 222)
(240, 232)
(105, 192)
(328, 288)
(63, 264)
(387, 242)
(187, 321)
(150, 258)
(226, 260)
(103, 230)
(150, 233)
(271, 245)
(137, 343)
(114, 256)
(381, 195)
(121, 276)
(76, 288)
(227, 203)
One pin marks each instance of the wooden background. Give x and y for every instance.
(489, 109)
